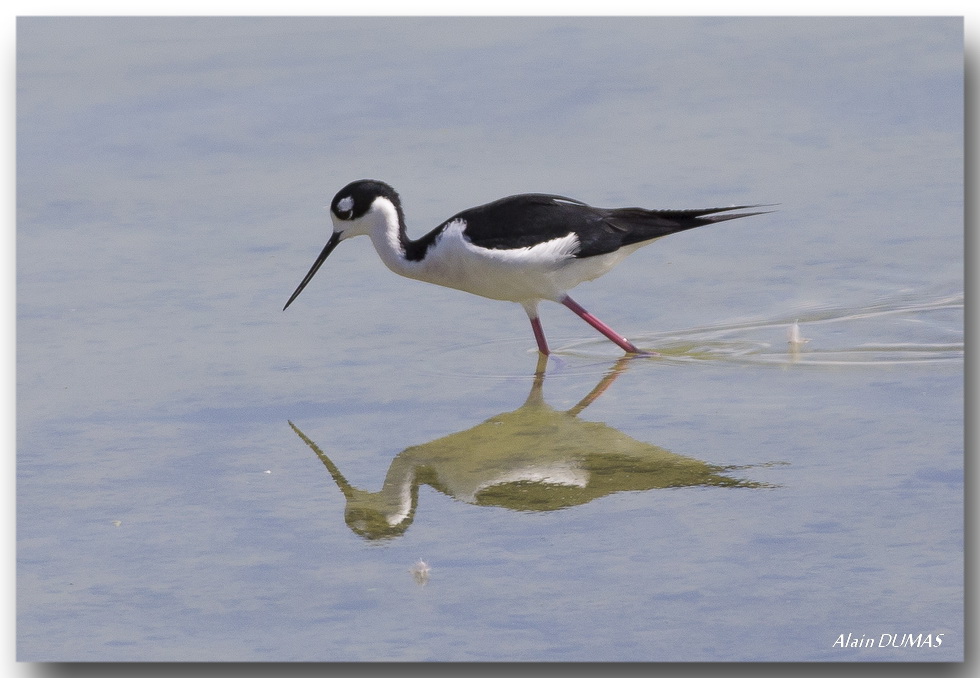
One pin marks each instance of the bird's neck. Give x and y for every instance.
(390, 239)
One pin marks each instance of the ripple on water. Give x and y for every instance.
(901, 330)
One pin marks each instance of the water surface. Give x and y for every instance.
(737, 497)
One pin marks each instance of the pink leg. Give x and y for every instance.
(539, 335)
(601, 326)
(531, 308)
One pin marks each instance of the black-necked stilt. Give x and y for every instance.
(524, 248)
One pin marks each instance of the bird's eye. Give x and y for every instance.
(345, 207)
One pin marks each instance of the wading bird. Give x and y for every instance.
(524, 248)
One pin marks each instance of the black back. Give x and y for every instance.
(534, 218)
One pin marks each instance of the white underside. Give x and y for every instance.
(545, 271)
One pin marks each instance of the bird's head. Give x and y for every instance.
(360, 208)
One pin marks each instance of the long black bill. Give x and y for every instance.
(334, 240)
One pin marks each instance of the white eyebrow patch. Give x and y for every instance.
(346, 204)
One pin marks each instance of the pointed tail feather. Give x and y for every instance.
(643, 224)
(711, 216)
(635, 225)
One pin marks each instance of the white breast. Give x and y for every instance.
(510, 275)
(544, 271)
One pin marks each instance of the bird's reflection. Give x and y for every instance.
(532, 459)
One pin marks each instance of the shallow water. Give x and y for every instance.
(204, 477)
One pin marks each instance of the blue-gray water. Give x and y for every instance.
(736, 498)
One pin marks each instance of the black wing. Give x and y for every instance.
(533, 218)
(515, 222)
(526, 220)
